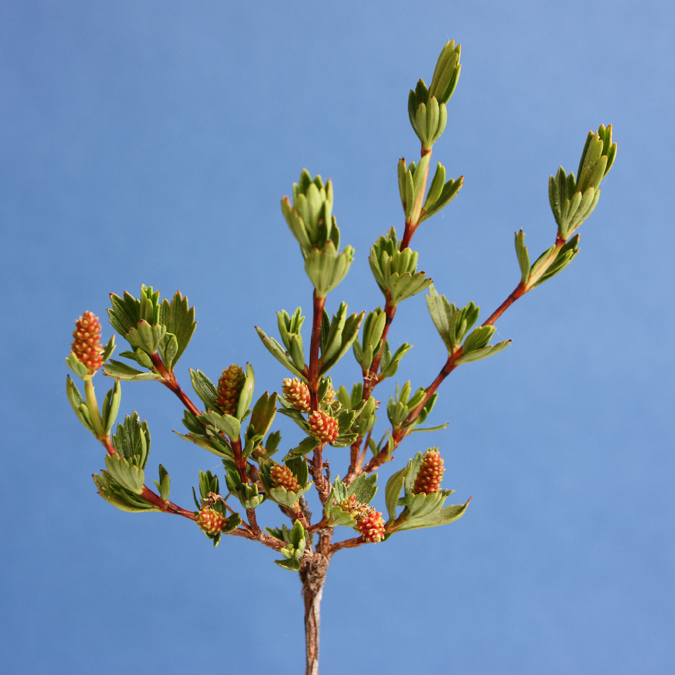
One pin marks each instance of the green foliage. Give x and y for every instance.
(403, 404)
(572, 201)
(441, 193)
(311, 221)
(150, 327)
(395, 270)
(284, 357)
(296, 541)
(453, 325)
(337, 336)
(427, 106)
(158, 334)
(78, 404)
(363, 488)
(132, 440)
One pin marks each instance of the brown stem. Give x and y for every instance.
(316, 467)
(518, 292)
(148, 494)
(313, 578)
(449, 366)
(370, 379)
(169, 379)
(165, 506)
(354, 542)
(313, 378)
(414, 221)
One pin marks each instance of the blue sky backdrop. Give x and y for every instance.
(150, 142)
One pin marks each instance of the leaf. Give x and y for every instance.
(246, 395)
(263, 413)
(304, 448)
(326, 268)
(364, 487)
(164, 483)
(228, 424)
(78, 404)
(443, 516)
(285, 497)
(125, 474)
(122, 371)
(205, 389)
(111, 406)
(389, 364)
(119, 497)
(168, 349)
(76, 365)
(347, 338)
(146, 337)
(393, 490)
(478, 338)
(478, 354)
(449, 192)
(279, 354)
(523, 256)
(291, 565)
(179, 319)
(132, 440)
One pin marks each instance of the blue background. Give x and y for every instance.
(150, 142)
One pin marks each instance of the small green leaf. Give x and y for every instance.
(482, 353)
(179, 319)
(326, 268)
(263, 413)
(122, 371)
(279, 354)
(164, 483)
(125, 474)
(205, 389)
(132, 440)
(246, 395)
(393, 490)
(76, 365)
(523, 256)
(111, 406)
(306, 446)
(78, 404)
(443, 516)
(146, 337)
(119, 497)
(228, 424)
(364, 487)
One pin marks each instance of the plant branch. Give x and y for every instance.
(169, 380)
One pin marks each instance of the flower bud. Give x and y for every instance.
(354, 508)
(430, 474)
(87, 344)
(210, 520)
(230, 385)
(323, 426)
(329, 397)
(371, 527)
(296, 392)
(283, 477)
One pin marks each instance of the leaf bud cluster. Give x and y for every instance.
(152, 329)
(427, 106)
(572, 201)
(310, 220)
(453, 324)
(396, 271)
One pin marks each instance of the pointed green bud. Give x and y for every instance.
(446, 73)
(596, 159)
(309, 217)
